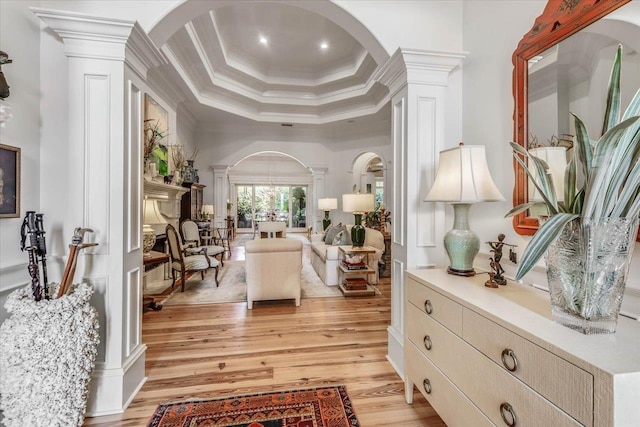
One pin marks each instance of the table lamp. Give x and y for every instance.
(463, 178)
(150, 216)
(358, 204)
(207, 212)
(327, 205)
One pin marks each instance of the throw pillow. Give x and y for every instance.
(340, 239)
(331, 233)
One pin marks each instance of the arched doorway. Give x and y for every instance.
(369, 175)
(270, 186)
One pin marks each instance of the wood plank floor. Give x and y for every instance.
(217, 350)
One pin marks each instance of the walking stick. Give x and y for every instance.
(70, 269)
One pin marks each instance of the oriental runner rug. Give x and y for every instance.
(316, 407)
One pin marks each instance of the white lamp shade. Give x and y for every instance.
(358, 202)
(327, 204)
(207, 209)
(151, 213)
(556, 158)
(463, 177)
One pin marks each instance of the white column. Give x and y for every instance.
(417, 81)
(107, 63)
(319, 192)
(220, 194)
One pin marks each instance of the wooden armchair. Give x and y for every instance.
(223, 237)
(191, 238)
(184, 261)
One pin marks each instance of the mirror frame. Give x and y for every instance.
(559, 20)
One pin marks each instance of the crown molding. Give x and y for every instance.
(418, 67)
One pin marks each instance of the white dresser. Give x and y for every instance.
(485, 357)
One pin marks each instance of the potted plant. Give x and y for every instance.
(375, 218)
(588, 239)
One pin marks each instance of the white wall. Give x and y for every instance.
(418, 24)
(20, 38)
(488, 101)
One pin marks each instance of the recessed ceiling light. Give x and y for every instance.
(263, 40)
(324, 45)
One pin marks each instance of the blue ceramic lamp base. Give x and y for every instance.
(461, 243)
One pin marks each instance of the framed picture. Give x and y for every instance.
(156, 126)
(9, 181)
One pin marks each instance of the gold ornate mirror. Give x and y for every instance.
(559, 20)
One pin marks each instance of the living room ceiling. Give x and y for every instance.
(266, 62)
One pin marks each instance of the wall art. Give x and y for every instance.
(9, 181)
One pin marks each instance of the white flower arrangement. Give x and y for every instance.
(48, 350)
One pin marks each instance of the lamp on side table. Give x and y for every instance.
(358, 204)
(462, 179)
(151, 216)
(327, 205)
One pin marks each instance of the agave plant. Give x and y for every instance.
(602, 180)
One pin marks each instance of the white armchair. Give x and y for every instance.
(269, 229)
(273, 270)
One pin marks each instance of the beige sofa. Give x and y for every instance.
(325, 257)
(273, 268)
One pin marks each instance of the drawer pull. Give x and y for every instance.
(427, 342)
(426, 384)
(428, 307)
(507, 354)
(508, 415)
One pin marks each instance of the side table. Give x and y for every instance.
(150, 261)
(351, 282)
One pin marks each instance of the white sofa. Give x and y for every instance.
(274, 269)
(325, 257)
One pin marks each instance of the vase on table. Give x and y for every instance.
(587, 268)
(188, 174)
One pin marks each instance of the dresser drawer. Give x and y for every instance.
(563, 383)
(439, 307)
(452, 406)
(486, 384)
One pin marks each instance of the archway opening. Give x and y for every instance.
(269, 186)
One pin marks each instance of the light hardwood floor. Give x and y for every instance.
(218, 350)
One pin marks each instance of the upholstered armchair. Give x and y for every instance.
(273, 270)
(191, 240)
(186, 262)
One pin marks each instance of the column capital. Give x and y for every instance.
(413, 66)
(94, 37)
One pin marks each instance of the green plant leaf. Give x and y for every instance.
(612, 112)
(583, 153)
(628, 194)
(545, 236)
(542, 180)
(519, 209)
(570, 184)
(602, 169)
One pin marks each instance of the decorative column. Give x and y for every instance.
(418, 82)
(220, 194)
(101, 160)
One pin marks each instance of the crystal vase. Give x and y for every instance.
(587, 269)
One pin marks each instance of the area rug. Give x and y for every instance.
(315, 407)
(233, 286)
